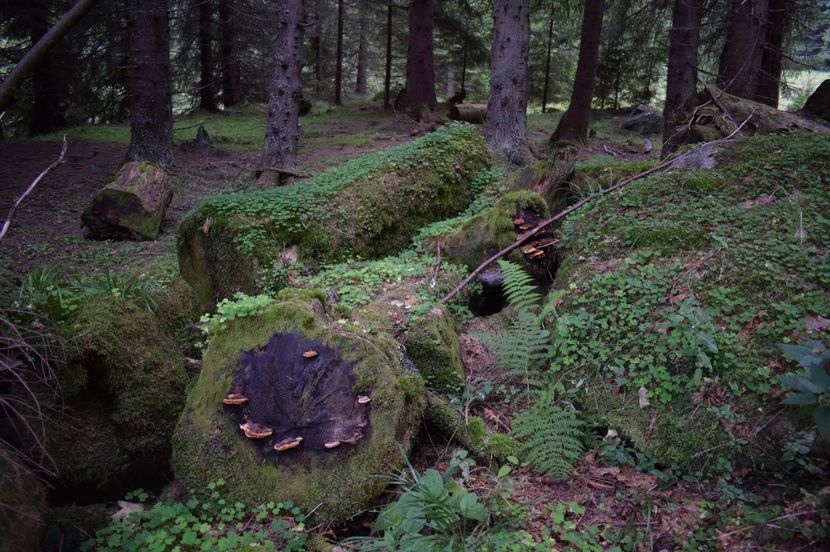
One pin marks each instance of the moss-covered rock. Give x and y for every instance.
(675, 293)
(334, 483)
(123, 388)
(368, 207)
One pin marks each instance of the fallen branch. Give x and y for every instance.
(562, 214)
(32, 186)
(287, 172)
(715, 99)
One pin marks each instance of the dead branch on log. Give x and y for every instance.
(564, 213)
(32, 186)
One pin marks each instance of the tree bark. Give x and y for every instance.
(387, 81)
(64, 24)
(740, 61)
(547, 64)
(151, 113)
(317, 45)
(231, 84)
(684, 38)
(363, 50)
(420, 68)
(506, 128)
(338, 69)
(207, 91)
(282, 131)
(573, 125)
(769, 79)
(49, 82)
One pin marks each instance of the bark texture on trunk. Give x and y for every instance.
(282, 131)
(769, 79)
(506, 128)
(740, 61)
(360, 87)
(49, 82)
(573, 125)
(684, 39)
(151, 113)
(420, 67)
(387, 80)
(207, 89)
(338, 69)
(547, 64)
(317, 46)
(231, 84)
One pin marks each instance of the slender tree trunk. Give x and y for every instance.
(547, 64)
(450, 90)
(684, 38)
(231, 84)
(420, 68)
(338, 70)
(49, 82)
(283, 128)
(151, 113)
(769, 79)
(207, 92)
(506, 126)
(387, 80)
(574, 122)
(464, 69)
(740, 61)
(363, 50)
(317, 44)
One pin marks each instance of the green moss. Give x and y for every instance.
(449, 422)
(176, 307)
(432, 344)
(335, 484)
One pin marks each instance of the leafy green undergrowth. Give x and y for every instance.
(214, 523)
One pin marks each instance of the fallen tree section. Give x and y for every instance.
(369, 207)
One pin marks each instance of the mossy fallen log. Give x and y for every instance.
(290, 406)
(132, 206)
(469, 113)
(368, 207)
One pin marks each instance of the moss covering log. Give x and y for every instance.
(335, 483)
(132, 206)
(368, 207)
(124, 386)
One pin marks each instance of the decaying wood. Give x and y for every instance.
(469, 113)
(59, 161)
(714, 95)
(286, 172)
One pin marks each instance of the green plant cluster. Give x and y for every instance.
(813, 385)
(227, 310)
(214, 523)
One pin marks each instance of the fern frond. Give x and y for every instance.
(549, 437)
(518, 287)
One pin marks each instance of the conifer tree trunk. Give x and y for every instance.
(49, 85)
(769, 78)
(363, 50)
(684, 38)
(547, 64)
(506, 126)
(317, 44)
(740, 61)
(338, 69)
(231, 84)
(573, 125)
(207, 93)
(282, 130)
(420, 68)
(387, 81)
(151, 113)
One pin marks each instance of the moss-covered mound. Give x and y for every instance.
(677, 290)
(368, 207)
(124, 387)
(336, 482)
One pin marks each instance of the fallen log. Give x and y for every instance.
(469, 113)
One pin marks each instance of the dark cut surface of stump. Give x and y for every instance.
(132, 206)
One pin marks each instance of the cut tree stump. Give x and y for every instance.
(132, 206)
(469, 113)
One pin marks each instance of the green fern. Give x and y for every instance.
(549, 437)
(518, 287)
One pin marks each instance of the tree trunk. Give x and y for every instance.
(464, 69)
(506, 128)
(338, 69)
(317, 44)
(450, 90)
(282, 132)
(681, 80)
(574, 122)
(49, 82)
(231, 85)
(207, 92)
(740, 61)
(769, 79)
(363, 50)
(151, 113)
(547, 64)
(387, 81)
(420, 68)
(64, 24)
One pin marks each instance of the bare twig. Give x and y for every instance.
(715, 98)
(35, 182)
